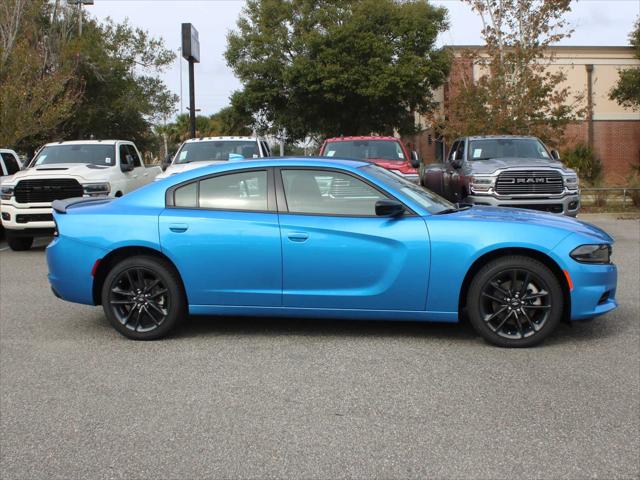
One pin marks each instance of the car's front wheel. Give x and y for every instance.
(143, 298)
(515, 301)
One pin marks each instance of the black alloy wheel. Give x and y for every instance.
(142, 297)
(515, 301)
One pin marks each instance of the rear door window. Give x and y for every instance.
(10, 163)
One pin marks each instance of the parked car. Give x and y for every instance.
(505, 171)
(199, 152)
(9, 162)
(262, 238)
(388, 152)
(83, 168)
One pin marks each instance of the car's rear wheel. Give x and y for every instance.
(515, 301)
(20, 243)
(143, 298)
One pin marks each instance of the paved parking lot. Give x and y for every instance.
(313, 399)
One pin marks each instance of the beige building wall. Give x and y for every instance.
(613, 130)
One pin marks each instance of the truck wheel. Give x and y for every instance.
(143, 298)
(19, 244)
(515, 301)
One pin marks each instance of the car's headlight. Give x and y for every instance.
(97, 189)
(6, 192)
(571, 181)
(600, 253)
(481, 183)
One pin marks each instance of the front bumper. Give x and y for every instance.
(25, 220)
(567, 205)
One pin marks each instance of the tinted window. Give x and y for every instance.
(427, 199)
(365, 149)
(10, 163)
(95, 154)
(207, 150)
(186, 196)
(134, 154)
(125, 154)
(328, 193)
(515, 148)
(237, 191)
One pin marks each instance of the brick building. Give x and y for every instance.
(613, 131)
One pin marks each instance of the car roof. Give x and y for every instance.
(87, 142)
(222, 138)
(363, 137)
(497, 137)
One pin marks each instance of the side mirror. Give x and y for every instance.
(234, 157)
(415, 159)
(389, 208)
(126, 163)
(167, 161)
(456, 163)
(555, 154)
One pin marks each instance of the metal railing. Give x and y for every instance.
(601, 196)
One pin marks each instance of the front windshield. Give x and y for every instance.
(208, 150)
(366, 150)
(490, 148)
(428, 200)
(92, 153)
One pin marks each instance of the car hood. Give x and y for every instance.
(174, 169)
(519, 215)
(402, 165)
(490, 166)
(81, 171)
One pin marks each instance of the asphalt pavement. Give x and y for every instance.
(274, 398)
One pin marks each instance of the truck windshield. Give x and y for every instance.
(95, 154)
(428, 200)
(366, 150)
(490, 148)
(205, 151)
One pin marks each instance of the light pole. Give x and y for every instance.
(191, 52)
(80, 3)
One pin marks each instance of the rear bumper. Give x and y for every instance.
(567, 205)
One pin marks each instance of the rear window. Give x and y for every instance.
(203, 151)
(95, 154)
(365, 150)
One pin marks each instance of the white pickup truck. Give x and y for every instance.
(82, 168)
(198, 152)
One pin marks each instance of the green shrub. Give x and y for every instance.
(584, 161)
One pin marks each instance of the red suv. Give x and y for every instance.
(388, 152)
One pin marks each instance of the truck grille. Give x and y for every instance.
(47, 190)
(527, 182)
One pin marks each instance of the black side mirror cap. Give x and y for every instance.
(457, 163)
(167, 161)
(415, 159)
(126, 166)
(389, 208)
(555, 154)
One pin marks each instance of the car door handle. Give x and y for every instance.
(178, 227)
(298, 236)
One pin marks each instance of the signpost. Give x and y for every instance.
(80, 3)
(191, 53)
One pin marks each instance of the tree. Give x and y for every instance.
(627, 90)
(516, 93)
(331, 67)
(38, 90)
(122, 96)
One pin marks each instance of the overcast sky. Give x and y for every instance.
(596, 22)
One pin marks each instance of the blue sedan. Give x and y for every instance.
(326, 239)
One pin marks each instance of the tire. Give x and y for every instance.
(515, 317)
(143, 298)
(19, 244)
